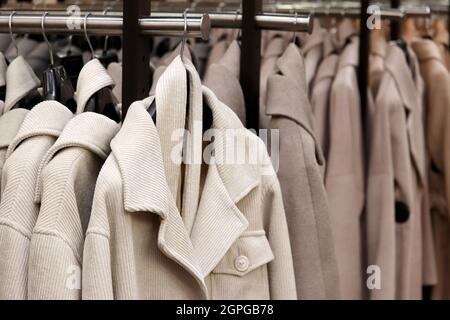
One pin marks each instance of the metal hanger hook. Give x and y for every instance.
(50, 49)
(183, 41)
(105, 46)
(13, 39)
(87, 36)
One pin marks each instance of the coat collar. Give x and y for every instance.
(398, 68)
(427, 50)
(3, 68)
(287, 91)
(47, 118)
(93, 77)
(218, 221)
(287, 94)
(90, 131)
(274, 48)
(409, 89)
(327, 68)
(316, 39)
(350, 55)
(20, 80)
(137, 149)
(10, 123)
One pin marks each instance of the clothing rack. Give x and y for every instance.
(136, 23)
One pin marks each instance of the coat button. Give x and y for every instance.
(241, 263)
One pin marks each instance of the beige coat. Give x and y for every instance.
(376, 63)
(10, 123)
(229, 243)
(320, 100)
(300, 173)
(344, 179)
(65, 187)
(223, 79)
(18, 212)
(397, 214)
(437, 81)
(313, 53)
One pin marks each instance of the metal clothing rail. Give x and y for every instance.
(159, 23)
(198, 26)
(269, 21)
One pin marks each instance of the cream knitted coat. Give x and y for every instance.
(65, 188)
(18, 212)
(231, 242)
(10, 123)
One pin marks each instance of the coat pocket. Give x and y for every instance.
(242, 273)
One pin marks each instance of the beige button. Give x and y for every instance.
(241, 263)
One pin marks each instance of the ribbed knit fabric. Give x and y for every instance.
(91, 79)
(18, 212)
(20, 80)
(137, 244)
(65, 187)
(10, 124)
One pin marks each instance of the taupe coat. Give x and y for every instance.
(320, 100)
(223, 79)
(313, 52)
(397, 213)
(300, 173)
(437, 109)
(229, 241)
(344, 178)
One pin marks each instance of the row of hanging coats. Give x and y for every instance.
(153, 207)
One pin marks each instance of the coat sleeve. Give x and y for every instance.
(307, 214)
(54, 272)
(97, 275)
(281, 269)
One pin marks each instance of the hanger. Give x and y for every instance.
(103, 101)
(152, 109)
(33, 97)
(107, 57)
(56, 83)
(71, 61)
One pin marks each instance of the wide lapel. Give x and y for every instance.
(93, 77)
(400, 71)
(288, 88)
(171, 104)
(219, 222)
(137, 150)
(20, 81)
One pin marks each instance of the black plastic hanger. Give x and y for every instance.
(55, 80)
(72, 62)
